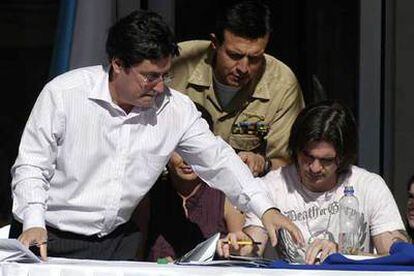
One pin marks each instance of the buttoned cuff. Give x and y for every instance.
(259, 204)
(34, 216)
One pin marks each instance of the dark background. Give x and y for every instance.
(27, 31)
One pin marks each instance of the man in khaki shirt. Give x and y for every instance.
(253, 98)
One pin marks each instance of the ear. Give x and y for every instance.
(214, 41)
(116, 65)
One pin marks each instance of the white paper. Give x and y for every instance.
(11, 250)
(203, 255)
(360, 257)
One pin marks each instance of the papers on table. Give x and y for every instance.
(204, 252)
(11, 250)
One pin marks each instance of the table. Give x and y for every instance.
(71, 267)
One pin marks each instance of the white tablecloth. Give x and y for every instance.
(69, 267)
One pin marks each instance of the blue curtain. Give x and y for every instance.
(63, 39)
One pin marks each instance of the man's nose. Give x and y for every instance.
(159, 87)
(243, 65)
(316, 166)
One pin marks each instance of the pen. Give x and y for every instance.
(244, 242)
(39, 243)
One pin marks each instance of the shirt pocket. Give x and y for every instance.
(244, 142)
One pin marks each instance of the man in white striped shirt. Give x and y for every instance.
(98, 138)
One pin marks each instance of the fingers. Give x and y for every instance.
(243, 156)
(328, 250)
(255, 162)
(312, 252)
(24, 241)
(295, 233)
(233, 244)
(273, 220)
(220, 249)
(35, 236)
(319, 250)
(223, 249)
(293, 230)
(250, 163)
(271, 231)
(223, 245)
(232, 239)
(260, 163)
(251, 167)
(43, 251)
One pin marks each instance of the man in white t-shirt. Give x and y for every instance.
(323, 146)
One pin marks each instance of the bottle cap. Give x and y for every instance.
(162, 261)
(349, 190)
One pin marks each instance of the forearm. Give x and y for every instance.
(383, 241)
(234, 218)
(29, 189)
(221, 168)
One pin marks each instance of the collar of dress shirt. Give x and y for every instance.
(100, 91)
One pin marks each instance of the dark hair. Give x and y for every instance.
(410, 182)
(138, 36)
(247, 19)
(327, 121)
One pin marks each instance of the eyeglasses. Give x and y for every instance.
(153, 78)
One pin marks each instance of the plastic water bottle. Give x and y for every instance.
(348, 222)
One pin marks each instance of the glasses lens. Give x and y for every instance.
(167, 78)
(156, 78)
(150, 78)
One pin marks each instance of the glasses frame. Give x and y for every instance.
(154, 78)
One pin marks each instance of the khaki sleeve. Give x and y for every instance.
(281, 123)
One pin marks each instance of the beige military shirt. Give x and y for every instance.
(259, 117)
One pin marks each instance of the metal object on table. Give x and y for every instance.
(288, 250)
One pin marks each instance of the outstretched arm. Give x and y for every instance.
(234, 218)
(34, 167)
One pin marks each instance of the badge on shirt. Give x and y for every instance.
(259, 129)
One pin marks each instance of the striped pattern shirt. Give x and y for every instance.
(84, 164)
